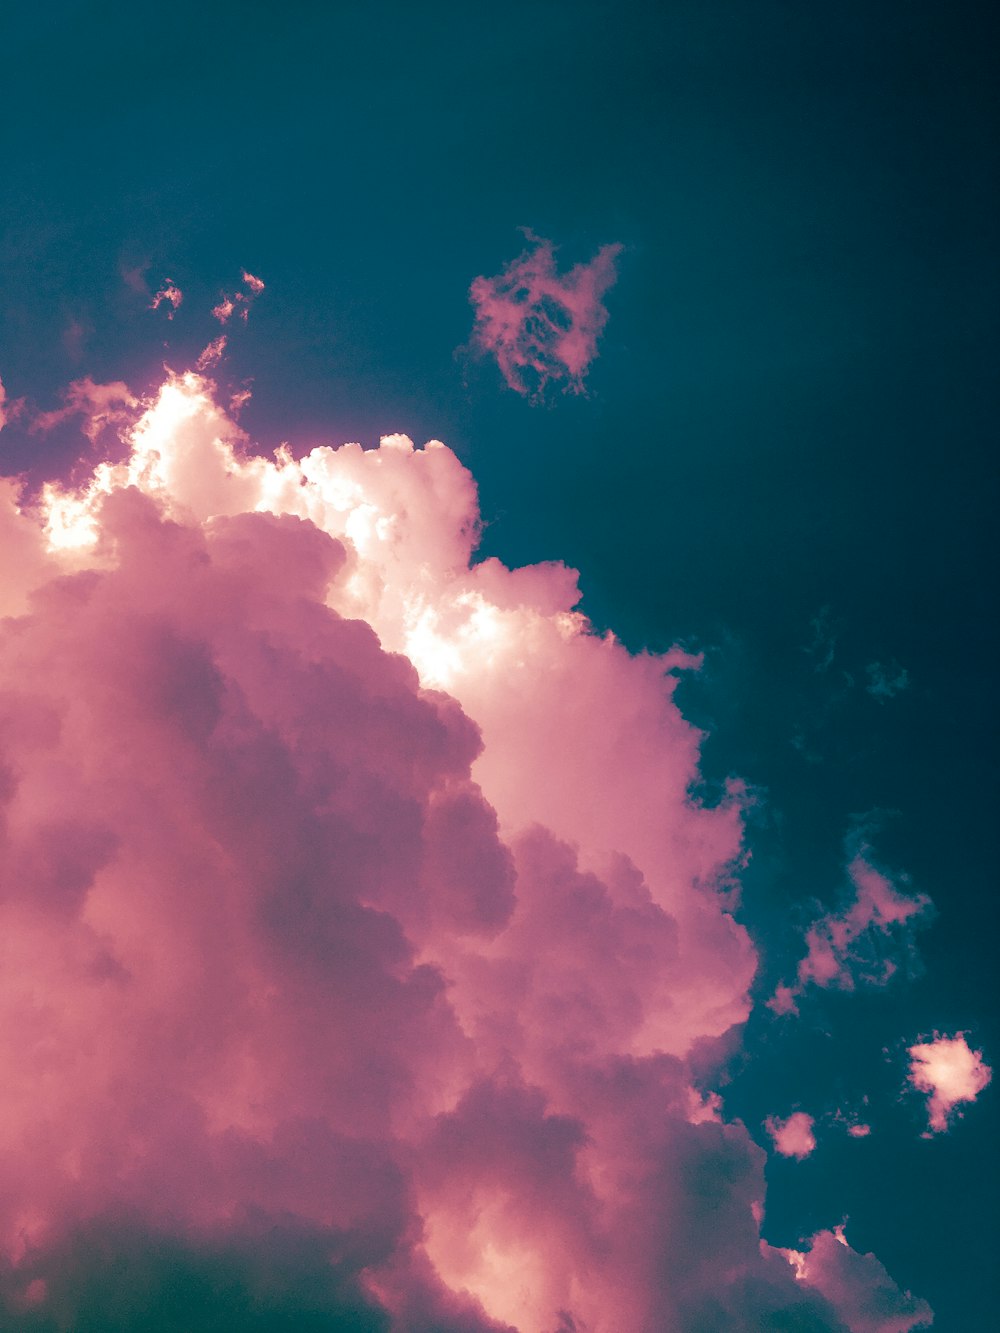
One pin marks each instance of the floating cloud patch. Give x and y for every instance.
(358, 923)
(541, 326)
(861, 945)
(950, 1072)
(793, 1136)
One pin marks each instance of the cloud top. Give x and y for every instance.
(541, 326)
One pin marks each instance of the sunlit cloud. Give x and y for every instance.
(170, 294)
(357, 904)
(950, 1072)
(239, 302)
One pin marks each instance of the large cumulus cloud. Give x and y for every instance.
(358, 921)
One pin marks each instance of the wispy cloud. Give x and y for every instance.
(861, 944)
(541, 326)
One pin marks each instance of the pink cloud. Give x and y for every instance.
(212, 354)
(540, 326)
(857, 1286)
(169, 293)
(950, 1073)
(3, 408)
(330, 958)
(239, 302)
(862, 943)
(792, 1137)
(100, 406)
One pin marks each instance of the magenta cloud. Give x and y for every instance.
(330, 960)
(857, 1286)
(793, 1136)
(169, 294)
(950, 1072)
(864, 943)
(541, 326)
(239, 302)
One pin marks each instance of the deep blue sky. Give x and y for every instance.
(794, 408)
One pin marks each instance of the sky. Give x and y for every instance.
(401, 930)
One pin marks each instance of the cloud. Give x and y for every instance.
(169, 293)
(212, 354)
(540, 326)
(886, 679)
(337, 980)
(950, 1073)
(862, 944)
(792, 1137)
(239, 303)
(857, 1286)
(3, 409)
(100, 406)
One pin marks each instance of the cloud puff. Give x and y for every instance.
(541, 326)
(169, 293)
(863, 943)
(337, 980)
(3, 410)
(792, 1137)
(857, 1286)
(950, 1072)
(239, 303)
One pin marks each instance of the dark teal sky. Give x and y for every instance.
(794, 407)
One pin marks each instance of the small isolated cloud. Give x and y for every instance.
(100, 405)
(169, 293)
(539, 325)
(212, 354)
(794, 1136)
(886, 679)
(3, 408)
(239, 303)
(950, 1072)
(863, 943)
(857, 1286)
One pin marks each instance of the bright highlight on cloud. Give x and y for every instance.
(358, 923)
(863, 944)
(950, 1072)
(542, 327)
(792, 1137)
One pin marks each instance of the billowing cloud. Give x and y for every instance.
(99, 406)
(170, 294)
(541, 326)
(793, 1136)
(950, 1072)
(863, 943)
(857, 1286)
(239, 302)
(337, 979)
